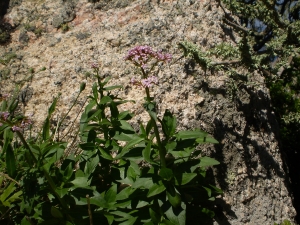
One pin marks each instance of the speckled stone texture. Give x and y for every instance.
(74, 33)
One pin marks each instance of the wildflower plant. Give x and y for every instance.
(122, 176)
(158, 173)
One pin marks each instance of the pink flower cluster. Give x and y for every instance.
(95, 65)
(4, 115)
(24, 123)
(148, 82)
(141, 55)
(4, 96)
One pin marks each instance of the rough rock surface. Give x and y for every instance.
(56, 41)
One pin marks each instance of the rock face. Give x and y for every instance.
(50, 59)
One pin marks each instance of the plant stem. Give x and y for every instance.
(161, 149)
(60, 123)
(89, 209)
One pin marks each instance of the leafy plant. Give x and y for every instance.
(122, 176)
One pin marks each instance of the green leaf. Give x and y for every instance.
(156, 189)
(91, 136)
(68, 172)
(207, 139)
(166, 173)
(126, 126)
(105, 155)
(168, 123)
(87, 146)
(111, 194)
(114, 110)
(149, 126)
(24, 221)
(130, 221)
(61, 191)
(80, 182)
(154, 214)
(113, 87)
(216, 190)
(184, 178)
(152, 115)
(147, 153)
(143, 182)
(105, 100)
(207, 161)
(183, 135)
(129, 146)
(106, 80)
(52, 107)
(143, 131)
(208, 190)
(91, 165)
(125, 115)
(174, 199)
(6, 193)
(125, 193)
(8, 136)
(109, 217)
(10, 161)
(208, 212)
(176, 215)
(46, 129)
(95, 91)
(125, 137)
(56, 213)
(99, 201)
(171, 146)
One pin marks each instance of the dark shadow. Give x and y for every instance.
(228, 32)
(254, 107)
(4, 4)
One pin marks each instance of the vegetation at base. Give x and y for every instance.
(119, 176)
(125, 176)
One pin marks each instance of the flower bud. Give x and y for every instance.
(82, 86)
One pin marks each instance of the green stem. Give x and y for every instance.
(161, 149)
(26, 146)
(65, 116)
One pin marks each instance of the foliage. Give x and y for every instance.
(122, 176)
(285, 222)
(7, 57)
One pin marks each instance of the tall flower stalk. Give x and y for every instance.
(145, 58)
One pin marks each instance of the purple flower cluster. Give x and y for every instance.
(141, 55)
(148, 82)
(4, 96)
(95, 65)
(4, 115)
(16, 128)
(24, 123)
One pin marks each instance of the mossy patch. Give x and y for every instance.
(4, 74)
(5, 59)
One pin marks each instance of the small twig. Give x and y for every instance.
(228, 62)
(9, 178)
(89, 209)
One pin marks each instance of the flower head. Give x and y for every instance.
(141, 55)
(4, 115)
(4, 96)
(16, 128)
(148, 82)
(95, 65)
